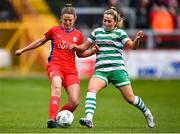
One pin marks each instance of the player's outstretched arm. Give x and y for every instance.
(33, 45)
(82, 47)
(135, 43)
(88, 52)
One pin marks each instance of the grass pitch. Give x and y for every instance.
(24, 107)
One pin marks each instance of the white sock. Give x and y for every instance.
(138, 102)
(90, 105)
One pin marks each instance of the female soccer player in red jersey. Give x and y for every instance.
(61, 66)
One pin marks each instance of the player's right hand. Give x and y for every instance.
(18, 52)
(95, 49)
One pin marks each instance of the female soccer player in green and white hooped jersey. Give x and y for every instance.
(110, 40)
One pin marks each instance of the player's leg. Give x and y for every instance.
(55, 78)
(95, 85)
(72, 86)
(73, 92)
(128, 94)
(121, 80)
(54, 101)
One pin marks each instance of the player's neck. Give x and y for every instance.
(67, 30)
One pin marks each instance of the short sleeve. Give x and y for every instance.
(48, 34)
(124, 37)
(92, 37)
(80, 39)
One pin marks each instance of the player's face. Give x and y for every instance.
(67, 21)
(108, 22)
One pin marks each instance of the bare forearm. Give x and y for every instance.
(81, 48)
(85, 53)
(33, 45)
(136, 43)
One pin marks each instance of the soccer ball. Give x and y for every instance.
(65, 118)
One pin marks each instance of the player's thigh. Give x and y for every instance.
(70, 79)
(73, 92)
(56, 84)
(96, 84)
(121, 80)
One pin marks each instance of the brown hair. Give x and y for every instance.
(115, 13)
(68, 9)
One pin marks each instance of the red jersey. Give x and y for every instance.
(61, 56)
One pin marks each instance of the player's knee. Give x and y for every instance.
(130, 99)
(56, 89)
(75, 103)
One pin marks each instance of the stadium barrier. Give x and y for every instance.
(158, 64)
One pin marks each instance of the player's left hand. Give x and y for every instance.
(140, 34)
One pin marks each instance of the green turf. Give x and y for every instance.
(24, 107)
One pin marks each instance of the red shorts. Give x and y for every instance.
(67, 78)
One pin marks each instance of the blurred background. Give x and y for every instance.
(23, 21)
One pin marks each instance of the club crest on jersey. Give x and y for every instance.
(113, 35)
(75, 39)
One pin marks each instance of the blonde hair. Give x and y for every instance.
(116, 15)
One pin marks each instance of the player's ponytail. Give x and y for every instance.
(68, 5)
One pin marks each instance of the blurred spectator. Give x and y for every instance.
(161, 19)
(96, 3)
(142, 14)
(173, 7)
(134, 4)
(178, 14)
(157, 14)
(118, 4)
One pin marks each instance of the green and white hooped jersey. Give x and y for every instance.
(109, 56)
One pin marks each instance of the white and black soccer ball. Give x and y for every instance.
(65, 118)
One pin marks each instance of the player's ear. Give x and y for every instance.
(75, 18)
(60, 21)
(61, 17)
(115, 24)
